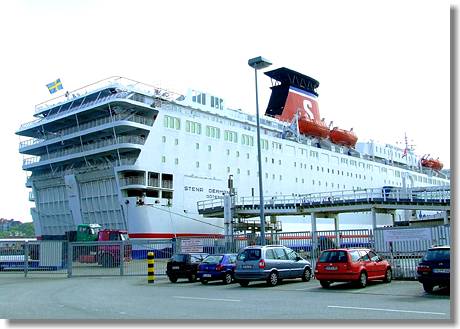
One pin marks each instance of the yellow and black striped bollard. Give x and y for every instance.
(150, 267)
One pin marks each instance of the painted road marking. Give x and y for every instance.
(212, 299)
(384, 310)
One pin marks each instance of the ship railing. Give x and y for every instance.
(154, 182)
(99, 122)
(71, 109)
(86, 147)
(385, 194)
(125, 181)
(117, 82)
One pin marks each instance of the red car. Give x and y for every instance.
(358, 265)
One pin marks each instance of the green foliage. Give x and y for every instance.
(25, 230)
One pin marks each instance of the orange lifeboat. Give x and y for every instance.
(311, 127)
(432, 163)
(343, 137)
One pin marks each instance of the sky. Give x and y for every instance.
(383, 67)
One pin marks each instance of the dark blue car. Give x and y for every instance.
(217, 267)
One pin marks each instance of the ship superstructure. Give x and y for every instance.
(128, 155)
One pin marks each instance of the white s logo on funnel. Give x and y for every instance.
(308, 106)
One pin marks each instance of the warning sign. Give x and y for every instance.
(191, 245)
(411, 234)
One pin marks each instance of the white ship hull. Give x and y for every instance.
(139, 160)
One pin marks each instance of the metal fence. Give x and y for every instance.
(129, 258)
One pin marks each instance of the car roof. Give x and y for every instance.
(346, 249)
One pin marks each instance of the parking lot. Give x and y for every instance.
(43, 297)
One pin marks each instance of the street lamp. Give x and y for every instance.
(258, 63)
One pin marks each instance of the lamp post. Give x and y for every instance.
(258, 63)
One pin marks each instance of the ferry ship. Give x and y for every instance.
(131, 156)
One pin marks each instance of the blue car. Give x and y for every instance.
(217, 267)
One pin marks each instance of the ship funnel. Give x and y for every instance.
(294, 92)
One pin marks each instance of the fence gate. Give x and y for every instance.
(405, 246)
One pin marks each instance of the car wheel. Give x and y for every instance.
(388, 276)
(227, 278)
(428, 287)
(325, 284)
(272, 279)
(243, 283)
(362, 282)
(306, 275)
(173, 279)
(204, 281)
(107, 261)
(192, 277)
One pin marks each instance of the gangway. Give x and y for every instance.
(383, 199)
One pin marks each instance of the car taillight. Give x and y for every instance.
(219, 267)
(423, 268)
(261, 263)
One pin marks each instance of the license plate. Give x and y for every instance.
(246, 266)
(175, 267)
(331, 268)
(206, 275)
(441, 270)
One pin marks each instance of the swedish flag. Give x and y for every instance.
(54, 86)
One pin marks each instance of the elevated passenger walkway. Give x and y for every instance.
(330, 204)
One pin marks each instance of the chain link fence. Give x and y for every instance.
(129, 258)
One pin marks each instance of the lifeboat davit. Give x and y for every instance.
(343, 137)
(432, 163)
(314, 128)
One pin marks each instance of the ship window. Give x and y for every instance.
(209, 148)
(249, 172)
(238, 171)
(193, 127)
(279, 162)
(209, 166)
(176, 141)
(176, 161)
(228, 169)
(303, 181)
(266, 175)
(273, 161)
(247, 140)
(281, 177)
(163, 159)
(231, 136)
(237, 154)
(228, 152)
(296, 180)
(295, 164)
(273, 176)
(313, 182)
(197, 146)
(197, 164)
(247, 155)
(163, 138)
(213, 132)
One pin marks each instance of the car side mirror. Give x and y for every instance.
(298, 258)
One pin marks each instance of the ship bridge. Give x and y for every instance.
(330, 204)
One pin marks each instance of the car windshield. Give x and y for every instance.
(249, 254)
(178, 258)
(437, 254)
(335, 256)
(213, 259)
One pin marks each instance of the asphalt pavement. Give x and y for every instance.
(132, 298)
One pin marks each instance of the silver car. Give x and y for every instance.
(270, 263)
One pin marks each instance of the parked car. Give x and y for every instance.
(184, 265)
(434, 268)
(358, 265)
(217, 267)
(270, 263)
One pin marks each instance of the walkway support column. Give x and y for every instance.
(336, 228)
(314, 238)
(446, 217)
(374, 219)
